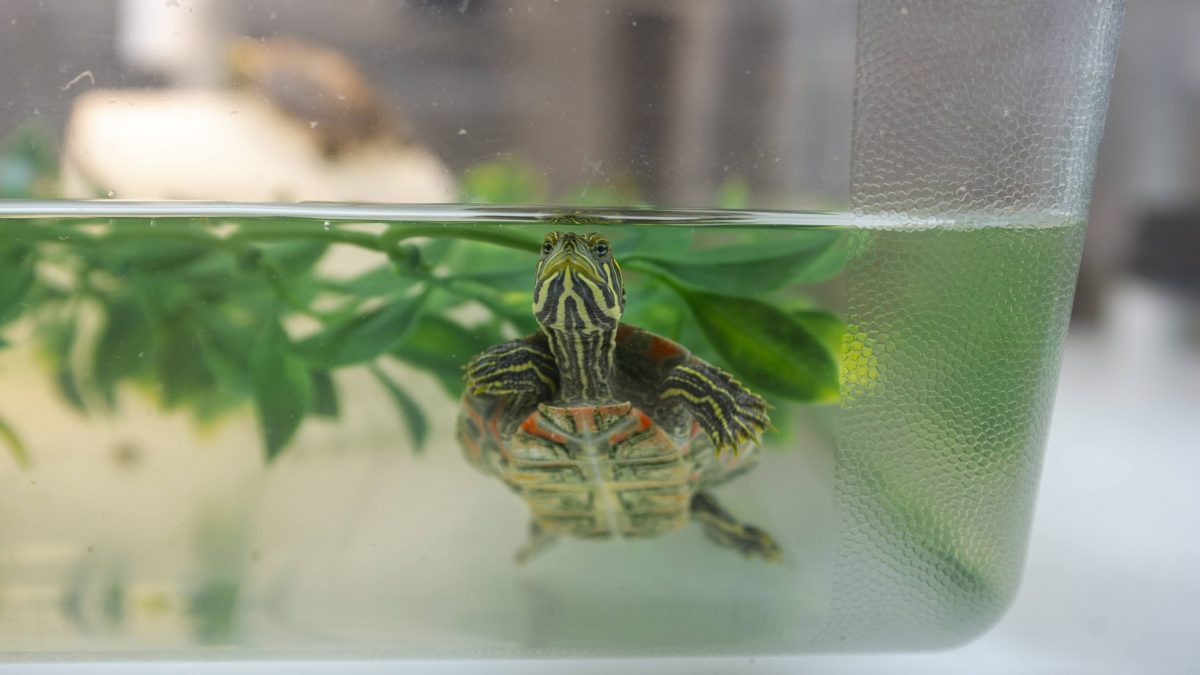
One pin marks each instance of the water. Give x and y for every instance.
(158, 355)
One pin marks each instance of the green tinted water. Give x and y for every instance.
(231, 426)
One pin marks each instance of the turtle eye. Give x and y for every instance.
(601, 249)
(547, 247)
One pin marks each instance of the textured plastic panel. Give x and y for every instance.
(970, 109)
(985, 116)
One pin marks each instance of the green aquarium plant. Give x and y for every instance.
(207, 315)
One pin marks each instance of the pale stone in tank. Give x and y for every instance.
(230, 146)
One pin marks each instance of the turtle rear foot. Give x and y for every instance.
(538, 541)
(724, 530)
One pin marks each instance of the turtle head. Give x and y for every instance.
(578, 288)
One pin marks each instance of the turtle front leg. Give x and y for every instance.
(514, 368)
(515, 376)
(729, 413)
(725, 530)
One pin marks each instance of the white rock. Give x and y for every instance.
(229, 146)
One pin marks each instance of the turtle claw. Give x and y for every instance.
(746, 435)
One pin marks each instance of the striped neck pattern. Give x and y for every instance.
(585, 364)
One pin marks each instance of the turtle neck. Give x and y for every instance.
(585, 364)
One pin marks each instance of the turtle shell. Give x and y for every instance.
(603, 470)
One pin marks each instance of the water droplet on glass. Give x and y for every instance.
(152, 223)
(112, 193)
(327, 225)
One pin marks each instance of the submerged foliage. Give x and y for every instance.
(208, 318)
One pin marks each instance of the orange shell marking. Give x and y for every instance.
(531, 427)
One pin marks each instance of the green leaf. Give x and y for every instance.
(29, 162)
(16, 278)
(510, 280)
(733, 194)
(229, 345)
(213, 610)
(652, 238)
(183, 373)
(295, 257)
(58, 342)
(364, 336)
(10, 438)
(325, 397)
(212, 276)
(753, 268)
(497, 278)
(381, 280)
(435, 249)
(612, 190)
(442, 347)
(826, 326)
(234, 323)
(121, 350)
(656, 308)
(777, 352)
(68, 386)
(414, 419)
(503, 182)
(512, 306)
(500, 268)
(17, 178)
(153, 256)
(441, 301)
(929, 531)
(282, 389)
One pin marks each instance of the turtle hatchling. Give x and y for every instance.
(604, 429)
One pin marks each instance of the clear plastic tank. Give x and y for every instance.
(246, 254)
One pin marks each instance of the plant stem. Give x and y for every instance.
(250, 231)
(361, 239)
(490, 235)
(480, 292)
(67, 235)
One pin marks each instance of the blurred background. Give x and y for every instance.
(1110, 583)
(690, 69)
(474, 81)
